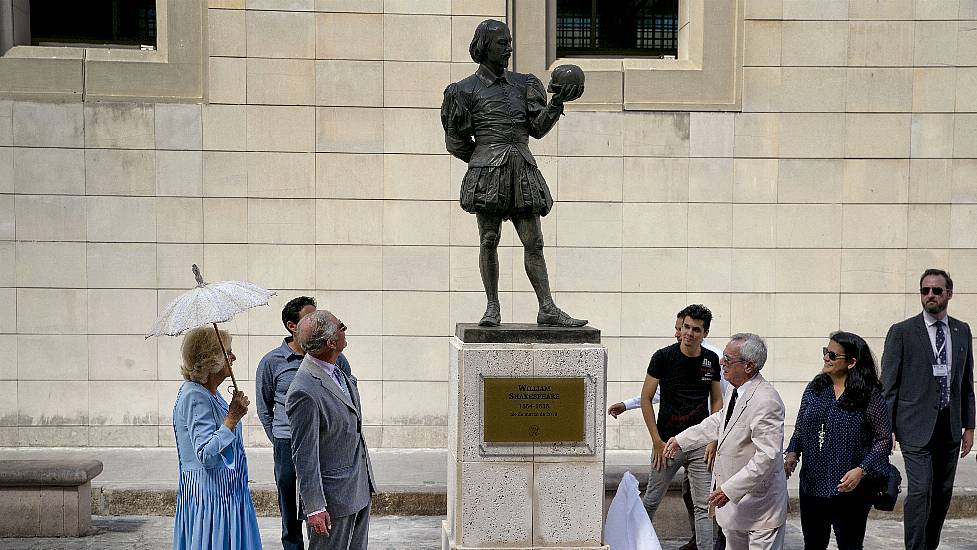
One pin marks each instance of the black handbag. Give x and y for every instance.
(887, 491)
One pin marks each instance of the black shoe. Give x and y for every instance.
(556, 317)
(492, 317)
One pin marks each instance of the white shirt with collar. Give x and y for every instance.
(931, 330)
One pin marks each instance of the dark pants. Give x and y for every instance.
(348, 533)
(929, 478)
(847, 513)
(717, 532)
(287, 505)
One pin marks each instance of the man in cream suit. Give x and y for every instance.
(331, 461)
(750, 487)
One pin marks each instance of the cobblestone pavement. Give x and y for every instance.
(415, 532)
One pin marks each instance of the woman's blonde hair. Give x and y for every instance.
(202, 355)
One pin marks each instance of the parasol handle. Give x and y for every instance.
(227, 360)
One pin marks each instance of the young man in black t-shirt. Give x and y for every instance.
(688, 375)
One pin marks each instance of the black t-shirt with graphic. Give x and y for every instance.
(685, 384)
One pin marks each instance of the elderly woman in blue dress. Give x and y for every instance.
(843, 437)
(213, 504)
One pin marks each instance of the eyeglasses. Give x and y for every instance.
(935, 290)
(729, 360)
(832, 356)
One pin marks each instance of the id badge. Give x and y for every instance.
(941, 370)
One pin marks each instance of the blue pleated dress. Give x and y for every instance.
(213, 504)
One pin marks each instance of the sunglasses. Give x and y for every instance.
(935, 290)
(832, 356)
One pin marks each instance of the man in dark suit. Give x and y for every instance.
(332, 463)
(928, 375)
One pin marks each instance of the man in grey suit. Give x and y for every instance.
(332, 464)
(928, 376)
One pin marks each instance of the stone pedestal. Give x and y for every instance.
(529, 495)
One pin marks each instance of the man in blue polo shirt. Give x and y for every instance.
(274, 376)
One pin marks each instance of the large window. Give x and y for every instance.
(615, 28)
(116, 23)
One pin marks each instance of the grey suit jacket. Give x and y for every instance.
(331, 460)
(911, 390)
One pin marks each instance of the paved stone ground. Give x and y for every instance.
(416, 532)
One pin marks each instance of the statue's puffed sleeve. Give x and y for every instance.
(457, 122)
(542, 116)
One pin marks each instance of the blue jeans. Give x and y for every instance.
(287, 499)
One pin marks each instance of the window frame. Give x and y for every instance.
(594, 51)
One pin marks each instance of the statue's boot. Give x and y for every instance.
(553, 316)
(492, 317)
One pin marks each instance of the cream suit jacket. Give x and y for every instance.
(749, 464)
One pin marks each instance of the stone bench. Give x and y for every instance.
(46, 498)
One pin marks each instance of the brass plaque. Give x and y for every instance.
(533, 410)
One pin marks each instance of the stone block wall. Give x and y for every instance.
(317, 166)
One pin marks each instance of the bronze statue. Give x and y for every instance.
(488, 119)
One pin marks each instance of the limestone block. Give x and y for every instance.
(414, 84)
(589, 224)
(281, 81)
(935, 43)
(829, 9)
(121, 219)
(342, 83)
(808, 225)
(808, 270)
(415, 268)
(427, 355)
(756, 134)
(650, 314)
(932, 135)
(224, 127)
(120, 172)
(124, 436)
(281, 266)
(711, 180)
(592, 134)
(712, 225)
(881, 44)
(46, 171)
(871, 315)
(280, 175)
(418, 177)
(350, 36)
(763, 89)
(284, 5)
(412, 131)
(417, 6)
(966, 44)
(967, 10)
(654, 224)
(225, 174)
(755, 180)
(463, 270)
(280, 221)
(875, 226)
(6, 122)
(46, 218)
(171, 264)
(763, 41)
(649, 134)
(120, 265)
(711, 134)
(963, 126)
(104, 317)
(227, 78)
(349, 130)
(361, 310)
(8, 317)
(654, 269)
(402, 407)
(811, 135)
(129, 125)
(937, 9)
(831, 36)
(120, 402)
(179, 173)
(280, 34)
(582, 269)
(7, 169)
(358, 6)
(879, 9)
(963, 262)
(50, 264)
(280, 128)
(966, 89)
(8, 410)
(462, 30)
(488, 8)
(45, 361)
(964, 181)
(401, 226)
(918, 261)
(877, 135)
(649, 179)
(352, 176)
(753, 313)
(930, 225)
(226, 33)
(813, 89)
(179, 220)
(764, 9)
(963, 223)
(8, 269)
(51, 311)
(871, 271)
(567, 495)
(53, 402)
(399, 317)
(810, 180)
(876, 180)
(709, 272)
(879, 89)
(400, 34)
(820, 314)
(754, 226)
(225, 220)
(348, 222)
(178, 126)
(934, 89)
(426, 437)
(48, 124)
(590, 179)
